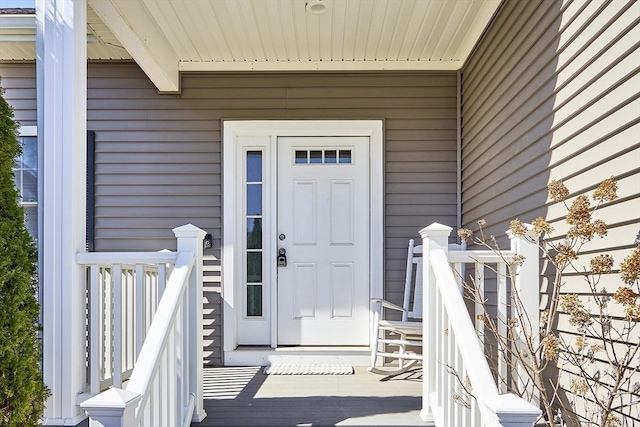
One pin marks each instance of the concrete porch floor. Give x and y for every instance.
(245, 396)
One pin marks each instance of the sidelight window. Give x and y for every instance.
(254, 272)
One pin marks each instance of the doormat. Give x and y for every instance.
(308, 369)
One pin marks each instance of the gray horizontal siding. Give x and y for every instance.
(552, 92)
(158, 157)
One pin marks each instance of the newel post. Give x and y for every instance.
(435, 236)
(112, 408)
(189, 239)
(513, 411)
(527, 284)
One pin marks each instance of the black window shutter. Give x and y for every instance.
(91, 190)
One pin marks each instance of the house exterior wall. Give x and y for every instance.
(551, 92)
(158, 157)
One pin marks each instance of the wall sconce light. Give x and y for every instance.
(207, 242)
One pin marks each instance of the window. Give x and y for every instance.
(253, 244)
(326, 157)
(25, 173)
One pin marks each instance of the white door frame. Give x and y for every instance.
(262, 134)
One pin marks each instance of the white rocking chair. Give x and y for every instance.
(403, 333)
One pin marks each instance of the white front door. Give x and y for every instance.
(323, 224)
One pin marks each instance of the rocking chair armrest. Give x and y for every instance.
(387, 304)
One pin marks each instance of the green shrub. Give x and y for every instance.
(22, 391)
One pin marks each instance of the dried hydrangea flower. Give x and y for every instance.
(565, 254)
(578, 315)
(465, 234)
(518, 260)
(544, 317)
(624, 295)
(630, 267)
(579, 386)
(602, 264)
(580, 343)
(550, 347)
(557, 191)
(606, 191)
(584, 231)
(482, 223)
(517, 228)
(540, 225)
(580, 211)
(632, 312)
(600, 227)
(612, 421)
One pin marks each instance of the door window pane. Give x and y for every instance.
(254, 300)
(254, 267)
(330, 156)
(254, 199)
(301, 156)
(254, 233)
(345, 156)
(315, 156)
(254, 166)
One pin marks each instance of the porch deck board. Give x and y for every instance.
(246, 396)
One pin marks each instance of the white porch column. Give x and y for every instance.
(435, 236)
(61, 73)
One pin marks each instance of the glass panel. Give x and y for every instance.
(29, 186)
(254, 300)
(18, 181)
(254, 267)
(330, 156)
(254, 233)
(301, 156)
(31, 220)
(345, 156)
(254, 199)
(30, 153)
(316, 156)
(254, 166)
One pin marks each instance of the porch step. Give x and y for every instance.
(265, 356)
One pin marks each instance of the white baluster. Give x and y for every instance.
(117, 326)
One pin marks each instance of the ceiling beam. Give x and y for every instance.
(130, 21)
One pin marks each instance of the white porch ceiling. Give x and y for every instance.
(169, 36)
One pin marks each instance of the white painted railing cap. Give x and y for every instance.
(512, 410)
(113, 398)
(435, 229)
(189, 230)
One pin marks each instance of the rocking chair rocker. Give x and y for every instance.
(403, 333)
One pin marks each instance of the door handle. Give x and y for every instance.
(282, 257)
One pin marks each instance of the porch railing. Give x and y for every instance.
(459, 387)
(137, 314)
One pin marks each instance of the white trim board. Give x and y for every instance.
(268, 131)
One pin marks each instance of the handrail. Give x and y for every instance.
(165, 386)
(129, 258)
(158, 333)
(486, 257)
(459, 387)
(480, 376)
